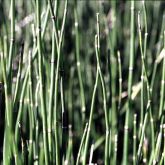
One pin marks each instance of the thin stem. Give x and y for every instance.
(31, 113)
(130, 77)
(162, 87)
(142, 73)
(148, 87)
(90, 118)
(56, 86)
(21, 106)
(91, 154)
(120, 79)
(50, 109)
(134, 139)
(12, 39)
(64, 116)
(54, 21)
(164, 143)
(36, 148)
(148, 109)
(19, 73)
(97, 39)
(42, 33)
(115, 150)
(158, 145)
(83, 107)
(81, 144)
(69, 153)
(40, 60)
(7, 148)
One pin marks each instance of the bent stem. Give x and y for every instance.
(91, 109)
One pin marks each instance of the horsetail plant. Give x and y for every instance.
(79, 63)
(51, 94)
(97, 38)
(162, 85)
(130, 77)
(142, 74)
(148, 109)
(92, 108)
(81, 144)
(31, 108)
(56, 84)
(40, 67)
(134, 138)
(79, 84)
(120, 80)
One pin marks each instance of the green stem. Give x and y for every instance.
(40, 60)
(54, 20)
(21, 106)
(120, 80)
(130, 76)
(92, 107)
(90, 118)
(134, 139)
(31, 113)
(162, 86)
(83, 107)
(12, 39)
(104, 93)
(142, 73)
(18, 74)
(50, 110)
(81, 144)
(148, 109)
(56, 86)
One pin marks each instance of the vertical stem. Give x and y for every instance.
(164, 143)
(115, 150)
(90, 119)
(50, 110)
(134, 139)
(162, 86)
(69, 152)
(19, 73)
(7, 136)
(104, 93)
(54, 20)
(120, 80)
(83, 107)
(21, 106)
(130, 76)
(64, 133)
(149, 89)
(36, 148)
(56, 86)
(8, 80)
(40, 59)
(148, 108)
(92, 108)
(113, 69)
(31, 113)
(12, 39)
(110, 100)
(142, 73)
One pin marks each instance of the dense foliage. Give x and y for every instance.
(82, 82)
